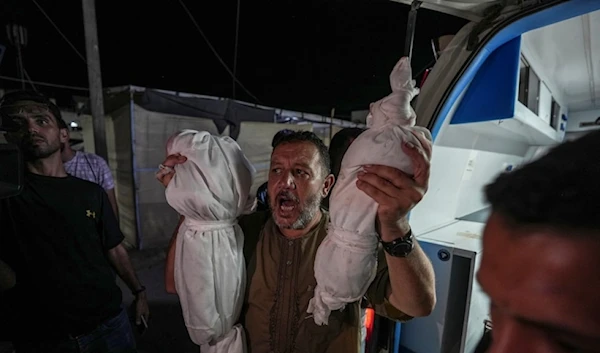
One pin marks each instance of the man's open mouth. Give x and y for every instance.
(286, 201)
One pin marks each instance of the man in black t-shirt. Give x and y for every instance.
(61, 242)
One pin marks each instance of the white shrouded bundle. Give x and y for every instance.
(346, 261)
(211, 189)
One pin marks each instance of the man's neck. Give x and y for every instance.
(299, 233)
(51, 166)
(68, 154)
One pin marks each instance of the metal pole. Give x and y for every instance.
(94, 77)
(410, 28)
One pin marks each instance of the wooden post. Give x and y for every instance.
(94, 77)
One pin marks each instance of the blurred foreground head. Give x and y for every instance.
(540, 252)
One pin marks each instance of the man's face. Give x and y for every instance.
(544, 287)
(40, 135)
(297, 184)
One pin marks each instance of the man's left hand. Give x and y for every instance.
(397, 192)
(141, 308)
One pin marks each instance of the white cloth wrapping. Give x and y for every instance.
(346, 261)
(211, 189)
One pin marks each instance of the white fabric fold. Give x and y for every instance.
(346, 261)
(232, 342)
(211, 189)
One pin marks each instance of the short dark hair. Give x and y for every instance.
(559, 190)
(18, 96)
(339, 145)
(279, 135)
(310, 137)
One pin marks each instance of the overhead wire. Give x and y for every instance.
(214, 51)
(15, 79)
(235, 48)
(29, 79)
(59, 31)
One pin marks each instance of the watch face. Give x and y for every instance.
(401, 249)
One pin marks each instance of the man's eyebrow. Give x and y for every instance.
(303, 165)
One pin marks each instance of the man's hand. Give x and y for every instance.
(174, 159)
(411, 286)
(141, 308)
(165, 175)
(119, 259)
(396, 192)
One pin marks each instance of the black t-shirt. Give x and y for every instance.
(55, 236)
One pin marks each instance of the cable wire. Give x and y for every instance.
(8, 78)
(59, 31)
(29, 79)
(214, 51)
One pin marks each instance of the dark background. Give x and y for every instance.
(301, 55)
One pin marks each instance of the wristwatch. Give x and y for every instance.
(399, 247)
(138, 291)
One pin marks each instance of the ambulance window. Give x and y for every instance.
(523, 70)
(529, 86)
(554, 121)
(533, 95)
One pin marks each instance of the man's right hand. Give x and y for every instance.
(165, 176)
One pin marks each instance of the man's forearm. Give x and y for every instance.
(8, 279)
(412, 280)
(119, 259)
(113, 202)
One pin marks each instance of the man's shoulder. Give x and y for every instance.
(84, 186)
(92, 157)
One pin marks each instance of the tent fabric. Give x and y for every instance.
(119, 160)
(223, 112)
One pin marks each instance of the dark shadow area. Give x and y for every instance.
(166, 331)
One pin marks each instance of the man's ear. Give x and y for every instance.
(327, 185)
(64, 136)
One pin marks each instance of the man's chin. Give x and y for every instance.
(284, 222)
(33, 153)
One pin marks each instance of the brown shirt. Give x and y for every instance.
(281, 282)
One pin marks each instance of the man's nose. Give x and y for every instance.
(32, 126)
(288, 180)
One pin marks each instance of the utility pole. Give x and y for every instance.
(94, 77)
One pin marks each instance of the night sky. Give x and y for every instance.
(302, 55)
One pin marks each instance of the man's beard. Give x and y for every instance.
(309, 210)
(32, 151)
